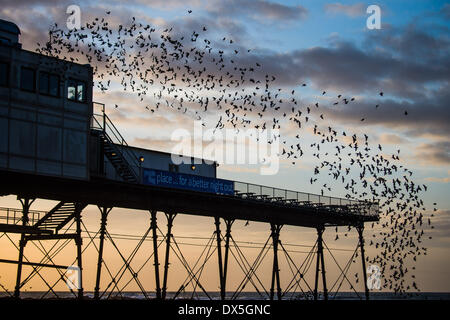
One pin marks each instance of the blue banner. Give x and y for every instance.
(168, 179)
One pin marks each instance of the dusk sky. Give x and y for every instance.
(324, 44)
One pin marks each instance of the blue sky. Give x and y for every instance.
(320, 23)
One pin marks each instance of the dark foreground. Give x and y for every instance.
(131, 305)
(245, 309)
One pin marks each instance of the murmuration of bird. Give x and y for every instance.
(203, 78)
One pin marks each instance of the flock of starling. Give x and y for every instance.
(188, 73)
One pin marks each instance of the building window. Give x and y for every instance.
(76, 90)
(27, 79)
(48, 84)
(5, 40)
(4, 74)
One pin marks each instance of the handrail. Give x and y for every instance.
(14, 216)
(110, 130)
(249, 190)
(110, 123)
(286, 192)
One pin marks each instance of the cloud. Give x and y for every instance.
(389, 64)
(425, 115)
(354, 10)
(401, 65)
(410, 65)
(221, 24)
(153, 143)
(239, 169)
(438, 180)
(445, 11)
(29, 3)
(386, 138)
(437, 153)
(168, 4)
(260, 10)
(441, 223)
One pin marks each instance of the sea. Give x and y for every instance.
(241, 296)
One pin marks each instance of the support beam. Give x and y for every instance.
(154, 226)
(104, 212)
(35, 264)
(79, 242)
(170, 217)
(50, 237)
(26, 203)
(275, 234)
(360, 230)
(320, 265)
(13, 228)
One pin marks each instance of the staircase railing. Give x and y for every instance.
(14, 216)
(100, 121)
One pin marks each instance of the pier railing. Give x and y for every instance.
(255, 192)
(297, 198)
(244, 190)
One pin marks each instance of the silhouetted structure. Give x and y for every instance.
(54, 146)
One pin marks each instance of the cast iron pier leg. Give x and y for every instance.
(363, 259)
(79, 243)
(104, 211)
(275, 228)
(219, 256)
(155, 253)
(223, 265)
(26, 203)
(229, 223)
(316, 279)
(170, 217)
(320, 264)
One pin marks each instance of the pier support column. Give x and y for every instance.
(360, 230)
(26, 203)
(79, 243)
(223, 264)
(104, 212)
(154, 226)
(228, 223)
(320, 265)
(275, 229)
(170, 217)
(219, 255)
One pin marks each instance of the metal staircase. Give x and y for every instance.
(59, 216)
(117, 159)
(115, 147)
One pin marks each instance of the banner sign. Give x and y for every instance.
(168, 179)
